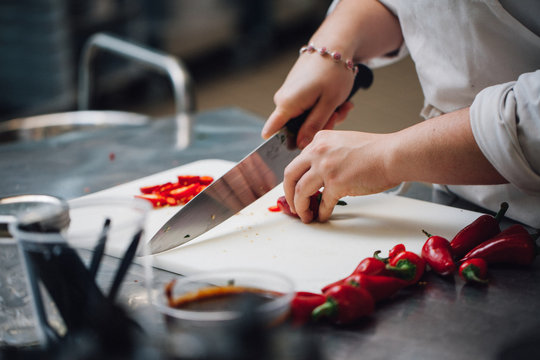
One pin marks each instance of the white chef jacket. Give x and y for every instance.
(475, 53)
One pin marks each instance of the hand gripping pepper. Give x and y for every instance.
(480, 230)
(407, 266)
(314, 203)
(474, 270)
(303, 304)
(370, 266)
(379, 286)
(345, 304)
(438, 254)
(512, 246)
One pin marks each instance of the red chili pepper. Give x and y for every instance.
(314, 203)
(155, 199)
(512, 246)
(407, 266)
(284, 206)
(438, 254)
(313, 206)
(184, 180)
(184, 192)
(396, 250)
(274, 208)
(380, 287)
(303, 304)
(474, 270)
(345, 304)
(206, 180)
(149, 189)
(480, 230)
(368, 266)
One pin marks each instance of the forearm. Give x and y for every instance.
(360, 29)
(441, 150)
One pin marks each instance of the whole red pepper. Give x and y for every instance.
(369, 266)
(474, 270)
(399, 248)
(512, 246)
(407, 266)
(303, 304)
(480, 230)
(379, 286)
(438, 254)
(345, 304)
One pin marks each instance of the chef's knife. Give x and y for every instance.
(255, 175)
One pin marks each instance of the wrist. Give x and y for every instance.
(395, 160)
(330, 54)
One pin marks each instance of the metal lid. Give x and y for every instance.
(42, 212)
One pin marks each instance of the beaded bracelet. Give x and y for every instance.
(336, 56)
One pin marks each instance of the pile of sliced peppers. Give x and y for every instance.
(175, 193)
(375, 279)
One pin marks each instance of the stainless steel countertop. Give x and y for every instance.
(439, 319)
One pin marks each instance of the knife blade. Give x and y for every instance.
(255, 175)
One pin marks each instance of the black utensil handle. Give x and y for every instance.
(363, 79)
(126, 261)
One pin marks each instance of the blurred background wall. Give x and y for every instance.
(237, 51)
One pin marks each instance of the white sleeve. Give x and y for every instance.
(505, 120)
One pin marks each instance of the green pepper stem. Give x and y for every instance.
(404, 269)
(376, 256)
(426, 233)
(327, 309)
(470, 274)
(502, 211)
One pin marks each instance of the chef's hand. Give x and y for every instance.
(317, 85)
(344, 163)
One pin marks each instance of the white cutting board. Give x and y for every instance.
(311, 254)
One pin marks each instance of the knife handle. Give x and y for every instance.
(363, 79)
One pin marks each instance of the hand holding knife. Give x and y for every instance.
(237, 189)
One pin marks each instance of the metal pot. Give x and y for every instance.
(42, 126)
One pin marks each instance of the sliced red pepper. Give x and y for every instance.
(184, 192)
(205, 180)
(474, 270)
(407, 266)
(512, 246)
(379, 286)
(274, 208)
(345, 304)
(184, 180)
(156, 199)
(480, 230)
(149, 189)
(303, 304)
(438, 254)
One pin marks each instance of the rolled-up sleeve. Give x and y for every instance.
(505, 121)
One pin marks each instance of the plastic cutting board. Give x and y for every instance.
(311, 254)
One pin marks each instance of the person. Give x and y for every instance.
(478, 66)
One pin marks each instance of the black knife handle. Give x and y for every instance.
(363, 79)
